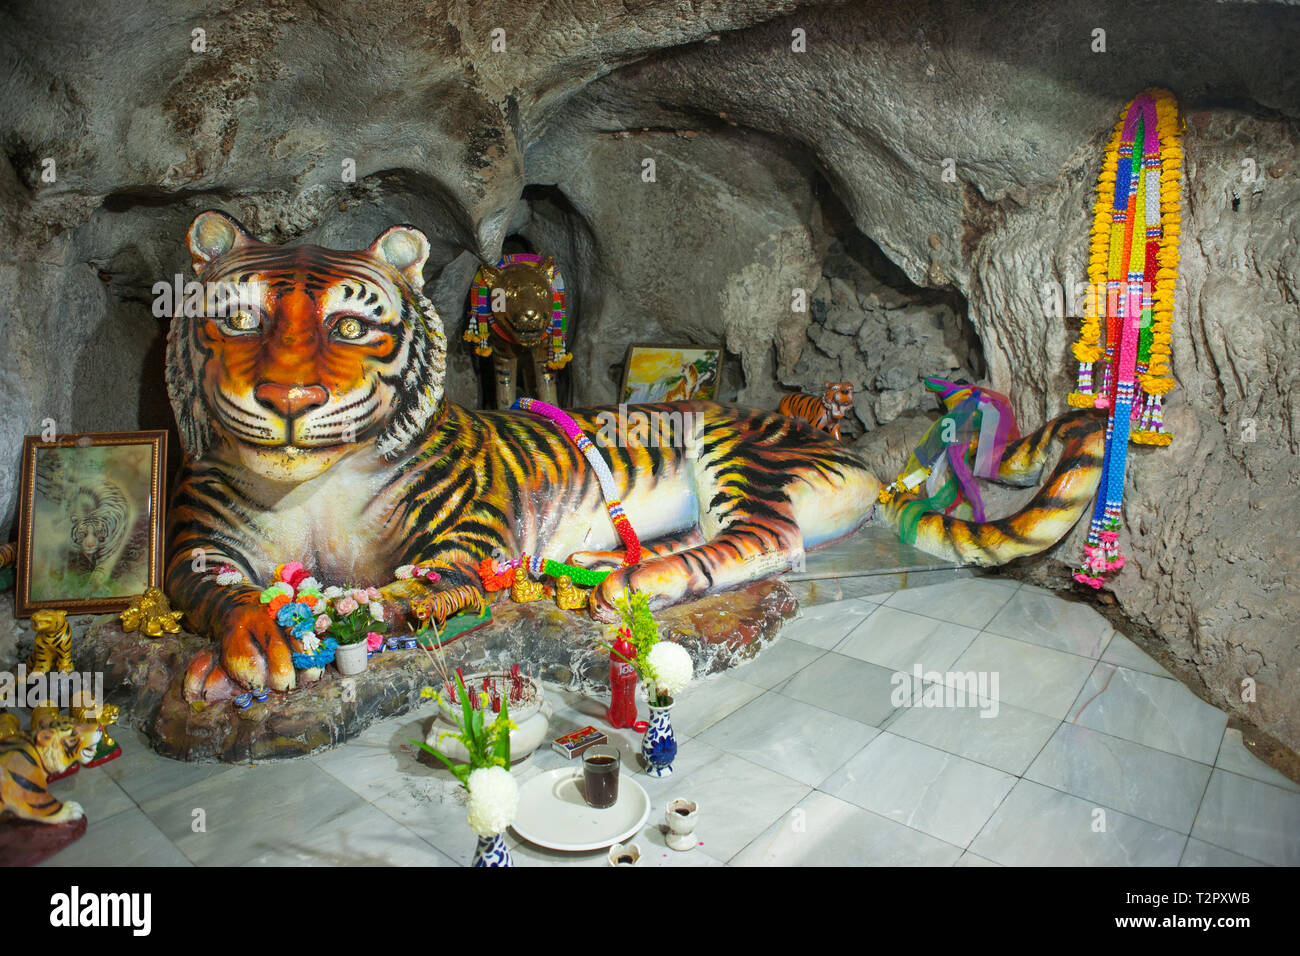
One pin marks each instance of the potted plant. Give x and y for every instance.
(664, 668)
(485, 774)
(356, 615)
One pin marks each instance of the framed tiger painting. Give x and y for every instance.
(670, 373)
(90, 521)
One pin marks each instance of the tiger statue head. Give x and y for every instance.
(838, 397)
(526, 300)
(309, 354)
(61, 741)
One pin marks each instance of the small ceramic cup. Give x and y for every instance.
(682, 815)
(624, 854)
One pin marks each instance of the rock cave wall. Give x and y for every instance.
(775, 170)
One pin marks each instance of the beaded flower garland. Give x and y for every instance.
(479, 332)
(498, 575)
(1134, 256)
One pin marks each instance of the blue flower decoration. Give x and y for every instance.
(295, 616)
(324, 654)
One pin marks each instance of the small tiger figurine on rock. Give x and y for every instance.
(52, 649)
(824, 412)
(27, 761)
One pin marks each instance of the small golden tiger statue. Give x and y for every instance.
(52, 650)
(27, 761)
(151, 614)
(824, 412)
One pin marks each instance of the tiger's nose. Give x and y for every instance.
(290, 400)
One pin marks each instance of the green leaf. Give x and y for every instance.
(502, 748)
(460, 770)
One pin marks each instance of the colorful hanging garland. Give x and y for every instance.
(967, 442)
(498, 575)
(1134, 257)
(479, 332)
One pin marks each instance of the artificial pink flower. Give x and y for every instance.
(373, 594)
(373, 641)
(360, 595)
(345, 605)
(323, 623)
(289, 570)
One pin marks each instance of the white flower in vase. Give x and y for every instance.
(493, 800)
(671, 668)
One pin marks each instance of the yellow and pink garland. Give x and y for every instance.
(1132, 272)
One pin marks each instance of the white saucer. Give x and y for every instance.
(553, 814)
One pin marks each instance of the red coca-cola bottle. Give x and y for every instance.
(622, 682)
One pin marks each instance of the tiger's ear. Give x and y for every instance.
(43, 738)
(548, 267)
(212, 234)
(406, 249)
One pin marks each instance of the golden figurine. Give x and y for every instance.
(52, 650)
(525, 590)
(10, 725)
(151, 614)
(567, 596)
(44, 712)
(85, 711)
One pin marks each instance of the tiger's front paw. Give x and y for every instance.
(255, 652)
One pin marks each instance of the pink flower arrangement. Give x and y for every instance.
(373, 641)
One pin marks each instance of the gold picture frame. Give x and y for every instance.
(90, 521)
(665, 373)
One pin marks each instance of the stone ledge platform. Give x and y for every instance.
(142, 676)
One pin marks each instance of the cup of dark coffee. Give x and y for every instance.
(600, 766)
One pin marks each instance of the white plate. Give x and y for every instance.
(553, 814)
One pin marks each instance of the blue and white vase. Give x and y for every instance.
(659, 746)
(492, 851)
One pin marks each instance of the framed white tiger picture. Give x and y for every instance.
(90, 521)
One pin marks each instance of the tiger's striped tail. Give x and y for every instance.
(1049, 515)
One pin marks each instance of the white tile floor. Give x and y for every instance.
(1090, 755)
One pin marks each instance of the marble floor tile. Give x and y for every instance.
(145, 775)
(825, 625)
(937, 793)
(1008, 740)
(826, 831)
(738, 801)
(1250, 817)
(433, 808)
(793, 738)
(1122, 652)
(1149, 710)
(128, 838)
(776, 663)
(708, 701)
(97, 792)
(1039, 826)
(1113, 772)
(1029, 676)
(899, 640)
(380, 757)
(250, 810)
(363, 836)
(1047, 619)
(845, 686)
(971, 602)
(1234, 756)
(971, 859)
(1200, 853)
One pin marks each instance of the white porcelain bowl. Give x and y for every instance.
(532, 719)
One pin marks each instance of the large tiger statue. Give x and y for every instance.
(315, 429)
